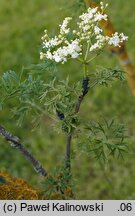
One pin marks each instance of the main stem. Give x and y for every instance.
(77, 108)
(68, 148)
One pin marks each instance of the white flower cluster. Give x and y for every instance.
(88, 22)
(59, 48)
(71, 44)
(63, 28)
(62, 53)
(116, 39)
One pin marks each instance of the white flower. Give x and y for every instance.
(98, 17)
(86, 17)
(93, 10)
(85, 28)
(42, 55)
(103, 6)
(74, 55)
(49, 55)
(72, 51)
(74, 46)
(63, 27)
(57, 58)
(51, 43)
(123, 37)
(117, 39)
(114, 40)
(97, 30)
(94, 47)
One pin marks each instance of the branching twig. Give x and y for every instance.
(15, 142)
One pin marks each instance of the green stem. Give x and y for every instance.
(85, 73)
(87, 50)
(92, 58)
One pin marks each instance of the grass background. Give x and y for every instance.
(21, 27)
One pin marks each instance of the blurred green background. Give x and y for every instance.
(21, 27)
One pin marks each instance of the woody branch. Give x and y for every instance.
(15, 143)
